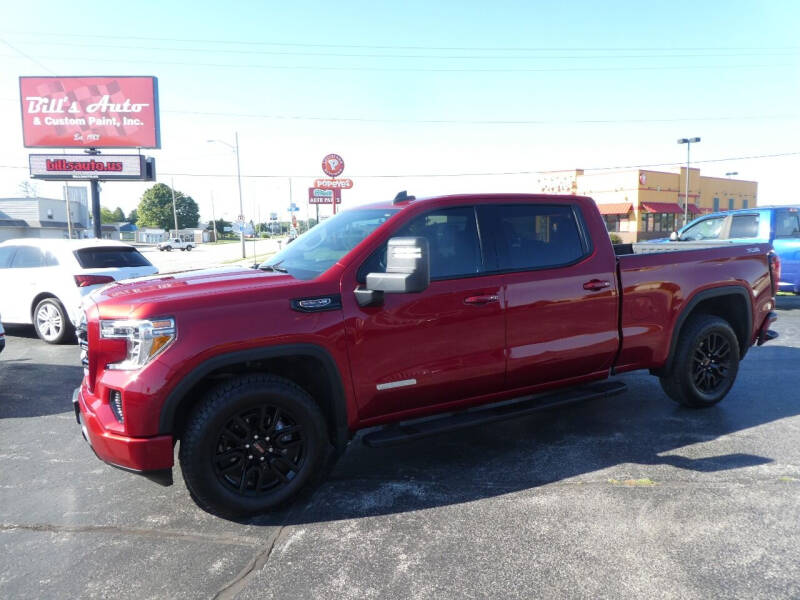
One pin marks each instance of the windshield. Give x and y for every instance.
(319, 249)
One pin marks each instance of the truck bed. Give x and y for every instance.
(657, 281)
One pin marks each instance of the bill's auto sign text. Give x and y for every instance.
(91, 112)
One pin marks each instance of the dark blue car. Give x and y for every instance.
(777, 225)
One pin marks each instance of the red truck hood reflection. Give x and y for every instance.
(176, 286)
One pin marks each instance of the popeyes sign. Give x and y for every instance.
(90, 112)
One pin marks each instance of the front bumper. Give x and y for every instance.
(151, 457)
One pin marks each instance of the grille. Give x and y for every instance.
(83, 342)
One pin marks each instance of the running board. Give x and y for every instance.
(412, 430)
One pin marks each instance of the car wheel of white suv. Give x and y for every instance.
(51, 321)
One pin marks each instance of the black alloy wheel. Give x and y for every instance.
(251, 444)
(711, 363)
(706, 362)
(259, 450)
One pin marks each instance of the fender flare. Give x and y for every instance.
(338, 404)
(691, 304)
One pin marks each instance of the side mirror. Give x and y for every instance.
(408, 271)
(673, 237)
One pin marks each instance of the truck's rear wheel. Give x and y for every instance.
(706, 363)
(252, 444)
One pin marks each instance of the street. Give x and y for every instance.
(629, 497)
(210, 255)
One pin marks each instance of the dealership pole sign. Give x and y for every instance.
(90, 112)
(108, 167)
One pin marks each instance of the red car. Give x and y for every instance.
(395, 311)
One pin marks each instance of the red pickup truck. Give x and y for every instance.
(395, 311)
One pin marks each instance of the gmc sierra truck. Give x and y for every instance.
(472, 308)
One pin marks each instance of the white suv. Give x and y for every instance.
(42, 282)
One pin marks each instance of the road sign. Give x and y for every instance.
(341, 184)
(332, 165)
(293, 207)
(246, 228)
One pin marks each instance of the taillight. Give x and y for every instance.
(774, 271)
(87, 280)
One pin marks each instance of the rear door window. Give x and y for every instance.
(787, 223)
(110, 257)
(534, 236)
(27, 257)
(744, 226)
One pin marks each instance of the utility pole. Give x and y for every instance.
(174, 210)
(69, 215)
(688, 142)
(213, 218)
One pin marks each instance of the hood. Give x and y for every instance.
(191, 284)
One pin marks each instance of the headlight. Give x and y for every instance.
(145, 339)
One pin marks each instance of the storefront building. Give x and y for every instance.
(640, 204)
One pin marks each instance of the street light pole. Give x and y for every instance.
(174, 210)
(688, 142)
(235, 149)
(239, 179)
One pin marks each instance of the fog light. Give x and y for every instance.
(115, 401)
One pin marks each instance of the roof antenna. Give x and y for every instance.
(403, 197)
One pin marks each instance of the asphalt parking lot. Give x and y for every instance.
(625, 498)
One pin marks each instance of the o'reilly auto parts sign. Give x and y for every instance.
(107, 167)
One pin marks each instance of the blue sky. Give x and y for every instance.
(418, 88)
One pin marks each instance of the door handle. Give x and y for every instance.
(480, 300)
(595, 285)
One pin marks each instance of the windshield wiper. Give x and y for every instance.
(274, 267)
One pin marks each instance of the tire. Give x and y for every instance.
(51, 322)
(160, 249)
(235, 421)
(188, 248)
(706, 363)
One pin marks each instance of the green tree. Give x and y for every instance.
(119, 216)
(220, 224)
(155, 209)
(106, 216)
(133, 216)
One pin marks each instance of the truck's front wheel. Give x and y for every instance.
(706, 363)
(251, 445)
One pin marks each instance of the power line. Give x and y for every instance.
(51, 34)
(250, 51)
(477, 121)
(30, 58)
(477, 174)
(414, 69)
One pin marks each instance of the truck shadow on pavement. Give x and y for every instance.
(632, 437)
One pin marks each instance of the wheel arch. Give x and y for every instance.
(38, 298)
(730, 302)
(309, 366)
